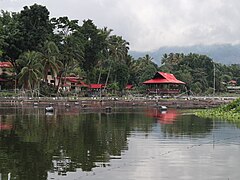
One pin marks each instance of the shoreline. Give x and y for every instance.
(96, 103)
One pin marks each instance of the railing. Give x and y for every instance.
(163, 91)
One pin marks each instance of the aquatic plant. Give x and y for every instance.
(230, 112)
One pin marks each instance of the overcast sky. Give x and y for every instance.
(151, 24)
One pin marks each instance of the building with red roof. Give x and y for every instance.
(5, 75)
(163, 84)
(232, 83)
(6, 65)
(96, 86)
(96, 89)
(73, 83)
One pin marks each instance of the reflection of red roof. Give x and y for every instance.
(6, 65)
(129, 86)
(163, 78)
(96, 86)
(167, 117)
(163, 117)
(2, 80)
(5, 126)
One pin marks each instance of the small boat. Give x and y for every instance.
(67, 105)
(84, 105)
(108, 109)
(35, 104)
(163, 108)
(76, 103)
(49, 109)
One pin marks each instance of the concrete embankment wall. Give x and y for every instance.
(188, 102)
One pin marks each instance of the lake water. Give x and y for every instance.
(129, 144)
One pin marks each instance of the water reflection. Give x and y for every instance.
(62, 163)
(164, 117)
(69, 142)
(63, 141)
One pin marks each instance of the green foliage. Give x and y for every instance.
(233, 106)
(47, 89)
(7, 94)
(96, 54)
(94, 43)
(34, 26)
(50, 59)
(10, 36)
(121, 75)
(199, 71)
(230, 111)
(31, 72)
(142, 70)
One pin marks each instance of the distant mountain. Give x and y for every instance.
(224, 53)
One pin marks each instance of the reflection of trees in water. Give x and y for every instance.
(88, 140)
(62, 163)
(24, 160)
(188, 125)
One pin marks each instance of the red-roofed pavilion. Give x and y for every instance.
(163, 84)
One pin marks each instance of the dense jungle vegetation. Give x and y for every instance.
(36, 44)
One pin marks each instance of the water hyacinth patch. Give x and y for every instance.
(230, 112)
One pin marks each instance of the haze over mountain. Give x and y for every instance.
(224, 53)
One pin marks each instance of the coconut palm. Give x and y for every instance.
(50, 61)
(104, 53)
(117, 51)
(31, 72)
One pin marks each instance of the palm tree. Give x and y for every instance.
(50, 61)
(117, 51)
(146, 60)
(31, 72)
(106, 34)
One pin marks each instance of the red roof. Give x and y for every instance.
(96, 86)
(76, 80)
(232, 82)
(129, 86)
(6, 65)
(71, 79)
(5, 126)
(78, 83)
(163, 78)
(81, 84)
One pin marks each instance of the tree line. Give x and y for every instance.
(36, 44)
